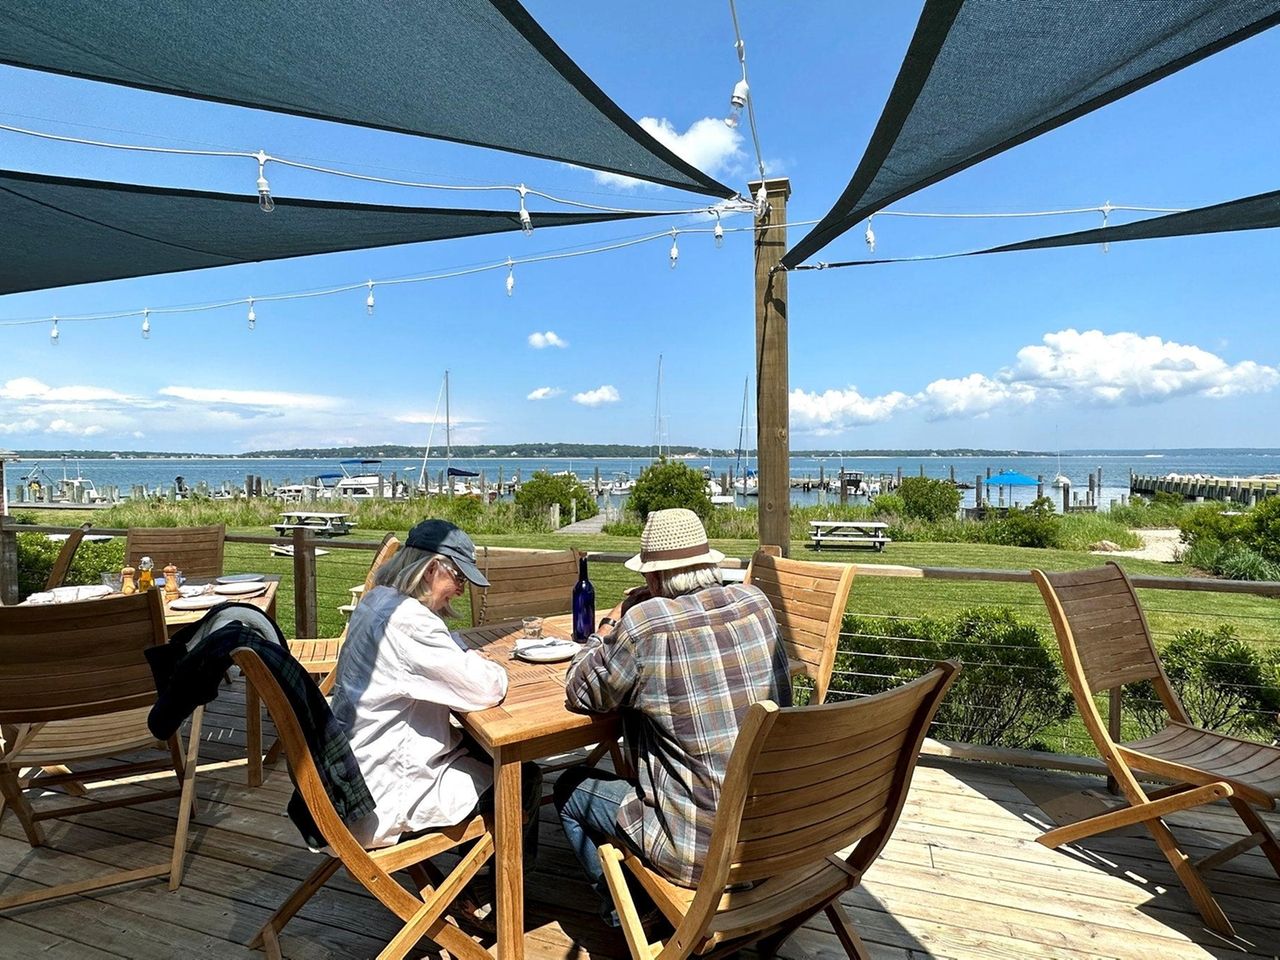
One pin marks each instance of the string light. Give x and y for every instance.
(368, 303)
(526, 221)
(762, 201)
(718, 233)
(1106, 209)
(53, 334)
(870, 236)
(741, 96)
(511, 277)
(674, 255)
(265, 203)
(737, 100)
(253, 316)
(146, 324)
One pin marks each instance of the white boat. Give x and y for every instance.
(621, 484)
(362, 485)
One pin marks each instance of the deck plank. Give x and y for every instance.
(963, 877)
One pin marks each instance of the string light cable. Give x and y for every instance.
(741, 96)
(717, 231)
(267, 203)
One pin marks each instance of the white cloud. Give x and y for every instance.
(252, 398)
(598, 396)
(974, 396)
(66, 426)
(1128, 369)
(544, 393)
(708, 145)
(835, 410)
(550, 338)
(28, 388)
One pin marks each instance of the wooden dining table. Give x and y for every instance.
(532, 722)
(175, 620)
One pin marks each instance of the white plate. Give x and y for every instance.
(240, 578)
(547, 650)
(201, 602)
(240, 589)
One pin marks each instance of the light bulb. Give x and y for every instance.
(870, 237)
(526, 221)
(674, 255)
(737, 100)
(53, 334)
(718, 233)
(265, 203)
(762, 200)
(511, 278)
(368, 303)
(253, 317)
(146, 324)
(1106, 209)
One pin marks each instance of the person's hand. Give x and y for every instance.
(632, 597)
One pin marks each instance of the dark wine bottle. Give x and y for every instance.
(584, 604)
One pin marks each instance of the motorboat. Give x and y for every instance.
(363, 484)
(621, 484)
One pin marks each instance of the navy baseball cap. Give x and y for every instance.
(448, 540)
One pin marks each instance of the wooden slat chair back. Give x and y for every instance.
(523, 584)
(803, 784)
(75, 685)
(196, 551)
(62, 563)
(1106, 643)
(423, 914)
(808, 599)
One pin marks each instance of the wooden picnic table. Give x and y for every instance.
(531, 723)
(320, 522)
(872, 533)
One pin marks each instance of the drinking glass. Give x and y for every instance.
(532, 627)
(112, 580)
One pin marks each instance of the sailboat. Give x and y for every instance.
(745, 483)
(456, 479)
(1060, 479)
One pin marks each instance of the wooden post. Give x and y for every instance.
(500, 490)
(773, 439)
(977, 491)
(596, 489)
(304, 583)
(922, 469)
(1066, 498)
(1039, 485)
(952, 469)
(8, 563)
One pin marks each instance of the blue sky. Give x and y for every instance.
(1161, 344)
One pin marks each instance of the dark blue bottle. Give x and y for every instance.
(584, 604)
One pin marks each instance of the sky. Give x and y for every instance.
(1167, 343)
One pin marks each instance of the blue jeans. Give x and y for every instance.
(587, 800)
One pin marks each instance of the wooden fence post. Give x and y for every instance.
(8, 562)
(304, 583)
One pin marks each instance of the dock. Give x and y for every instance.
(1242, 490)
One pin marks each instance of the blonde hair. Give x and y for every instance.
(682, 580)
(409, 572)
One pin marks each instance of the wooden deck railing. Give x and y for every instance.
(304, 582)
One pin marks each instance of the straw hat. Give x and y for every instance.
(673, 539)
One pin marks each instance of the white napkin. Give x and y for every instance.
(74, 594)
(193, 591)
(38, 598)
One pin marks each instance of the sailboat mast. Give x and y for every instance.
(657, 410)
(423, 476)
(448, 436)
(742, 429)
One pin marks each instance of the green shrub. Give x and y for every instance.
(1036, 525)
(37, 553)
(1244, 546)
(1010, 690)
(889, 505)
(1210, 522)
(1265, 522)
(1223, 682)
(1237, 562)
(543, 489)
(927, 499)
(669, 484)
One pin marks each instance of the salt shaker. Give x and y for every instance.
(171, 591)
(126, 581)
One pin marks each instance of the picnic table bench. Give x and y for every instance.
(318, 522)
(849, 532)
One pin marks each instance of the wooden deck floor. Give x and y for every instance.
(962, 878)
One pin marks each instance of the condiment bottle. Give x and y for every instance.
(146, 579)
(171, 591)
(126, 581)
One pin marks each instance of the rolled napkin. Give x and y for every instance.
(37, 598)
(74, 594)
(193, 590)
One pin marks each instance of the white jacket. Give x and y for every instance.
(400, 674)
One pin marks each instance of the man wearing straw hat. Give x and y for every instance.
(685, 661)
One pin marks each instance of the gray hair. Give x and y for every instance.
(407, 571)
(682, 580)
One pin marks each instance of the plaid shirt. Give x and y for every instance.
(683, 672)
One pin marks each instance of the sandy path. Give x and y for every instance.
(1160, 544)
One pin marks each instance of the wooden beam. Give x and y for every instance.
(773, 442)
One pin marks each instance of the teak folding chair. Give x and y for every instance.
(809, 599)
(803, 783)
(523, 584)
(1106, 643)
(74, 686)
(423, 915)
(196, 551)
(62, 563)
(320, 657)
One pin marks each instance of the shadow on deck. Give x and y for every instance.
(963, 877)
